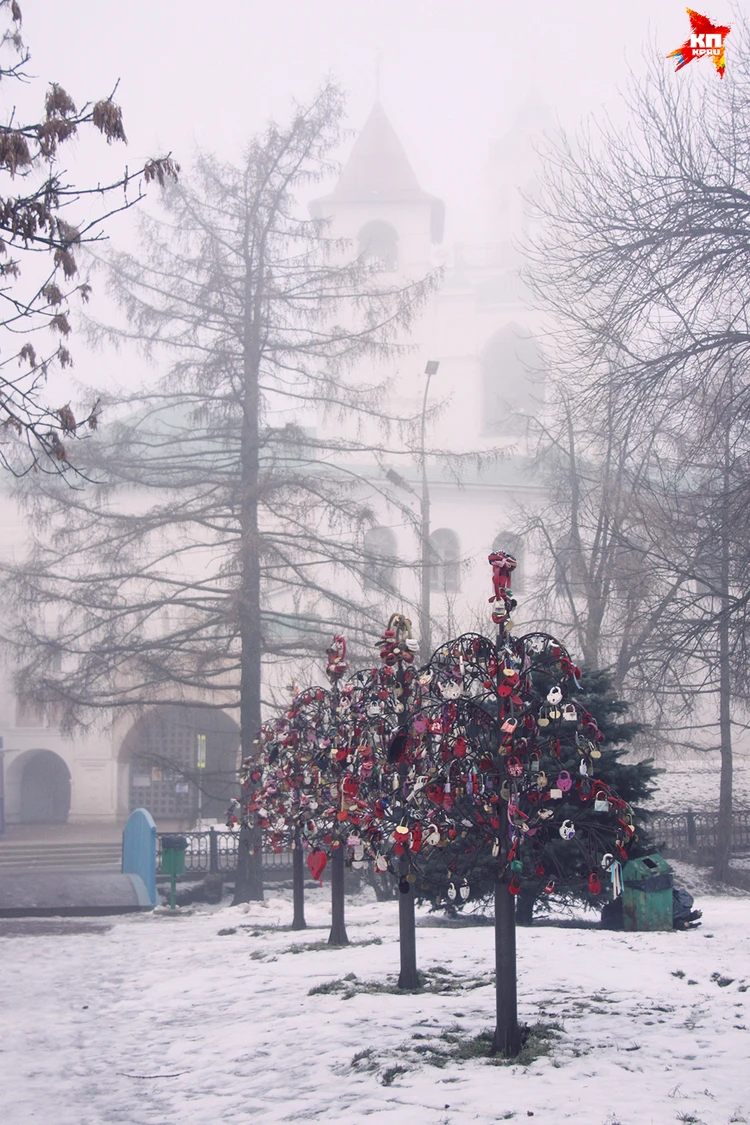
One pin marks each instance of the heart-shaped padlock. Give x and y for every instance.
(564, 781)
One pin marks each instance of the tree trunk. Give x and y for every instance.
(724, 831)
(525, 906)
(407, 932)
(337, 935)
(248, 882)
(249, 885)
(507, 1038)
(298, 885)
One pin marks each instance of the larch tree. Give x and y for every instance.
(225, 533)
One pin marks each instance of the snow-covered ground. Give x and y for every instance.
(217, 1015)
(692, 782)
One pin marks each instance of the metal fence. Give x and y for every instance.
(678, 831)
(214, 851)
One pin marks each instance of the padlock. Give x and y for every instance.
(515, 767)
(564, 781)
(595, 886)
(381, 863)
(555, 793)
(554, 695)
(543, 720)
(541, 780)
(517, 865)
(601, 804)
(569, 713)
(567, 830)
(583, 769)
(451, 892)
(464, 890)
(509, 725)
(495, 848)
(505, 790)
(433, 835)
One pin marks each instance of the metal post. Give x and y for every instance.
(425, 624)
(507, 1039)
(173, 891)
(692, 836)
(338, 935)
(298, 884)
(213, 851)
(407, 933)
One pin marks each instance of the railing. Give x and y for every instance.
(214, 851)
(678, 831)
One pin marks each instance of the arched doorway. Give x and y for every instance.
(181, 762)
(45, 789)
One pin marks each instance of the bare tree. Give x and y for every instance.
(644, 271)
(40, 239)
(225, 531)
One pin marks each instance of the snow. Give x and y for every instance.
(160, 1019)
(692, 782)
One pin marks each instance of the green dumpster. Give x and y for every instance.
(647, 894)
(173, 850)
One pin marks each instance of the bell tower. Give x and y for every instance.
(379, 206)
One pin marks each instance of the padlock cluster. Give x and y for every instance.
(481, 754)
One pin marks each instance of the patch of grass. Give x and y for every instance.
(350, 985)
(227, 932)
(743, 987)
(391, 1073)
(723, 982)
(454, 1046)
(692, 982)
(328, 987)
(678, 973)
(689, 1119)
(364, 1060)
(317, 946)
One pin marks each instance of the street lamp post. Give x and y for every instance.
(425, 630)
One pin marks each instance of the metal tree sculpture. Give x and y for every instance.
(391, 828)
(512, 761)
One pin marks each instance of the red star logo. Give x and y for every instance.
(707, 41)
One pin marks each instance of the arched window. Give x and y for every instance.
(378, 244)
(512, 380)
(380, 557)
(512, 544)
(445, 567)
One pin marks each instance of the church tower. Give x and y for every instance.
(379, 205)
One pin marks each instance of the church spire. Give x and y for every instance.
(378, 171)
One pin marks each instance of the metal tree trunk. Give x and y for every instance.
(407, 933)
(338, 934)
(298, 886)
(507, 1038)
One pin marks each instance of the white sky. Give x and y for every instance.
(452, 74)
